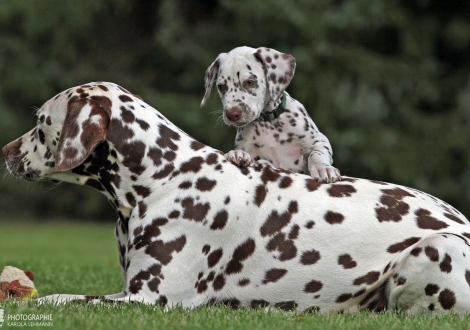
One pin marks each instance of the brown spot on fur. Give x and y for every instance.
(194, 211)
(346, 261)
(313, 286)
(167, 138)
(394, 208)
(310, 257)
(344, 297)
(369, 278)
(163, 251)
(163, 173)
(285, 247)
(446, 264)
(424, 220)
(219, 282)
(141, 190)
(205, 184)
(416, 251)
(243, 282)
(333, 218)
(125, 98)
(453, 218)
(260, 194)
(269, 174)
(196, 145)
(241, 253)
(432, 253)
(276, 221)
(431, 289)
(192, 165)
(447, 299)
(294, 233)
(212, 158)
(205, 249)
(155, 154)
(400, 246)
(220, 220)
(312, 185)
(274, 275)
(341, 190)
(214, 257)
(185, 185)
(285, 182)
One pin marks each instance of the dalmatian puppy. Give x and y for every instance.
(195, 229)
(271, 125)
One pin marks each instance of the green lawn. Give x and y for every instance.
(82, 259)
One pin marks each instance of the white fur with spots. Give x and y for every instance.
(194, 229)
(250, 82)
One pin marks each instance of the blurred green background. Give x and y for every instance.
(387, 81)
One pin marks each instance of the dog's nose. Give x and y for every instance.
(233, 114)
(6, 149)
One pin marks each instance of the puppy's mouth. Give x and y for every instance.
(243, 123)
(239, 124)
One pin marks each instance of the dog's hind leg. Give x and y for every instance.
(433, 276)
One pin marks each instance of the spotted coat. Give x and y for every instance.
(252, 81)
(194, 229)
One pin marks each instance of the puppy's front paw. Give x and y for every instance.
(325, 173)
(239, 157)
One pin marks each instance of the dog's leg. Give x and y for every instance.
(121, 235)
(433, 276)
(59, 299)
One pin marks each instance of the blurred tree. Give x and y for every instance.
(387, 81)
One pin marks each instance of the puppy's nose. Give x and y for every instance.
(233, 114)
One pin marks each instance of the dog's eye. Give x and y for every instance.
(249, 83)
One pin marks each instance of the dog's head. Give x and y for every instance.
(69, 126)
(247, 80)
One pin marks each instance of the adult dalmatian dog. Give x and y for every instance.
(195, 229)
(271, 125)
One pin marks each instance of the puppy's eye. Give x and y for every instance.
(222, 88)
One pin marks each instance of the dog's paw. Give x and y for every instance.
(239, 157)
(325, 173)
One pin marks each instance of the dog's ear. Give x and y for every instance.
(85, 126)
(279, 69)
(211, 75)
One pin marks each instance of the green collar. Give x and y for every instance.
(268, 116)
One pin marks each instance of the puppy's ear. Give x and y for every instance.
(279, 69)
(211, 75)
(85, 126)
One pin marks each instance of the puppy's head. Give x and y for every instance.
(68, 128)
(247, 79)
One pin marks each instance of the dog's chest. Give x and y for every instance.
(276, 143)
